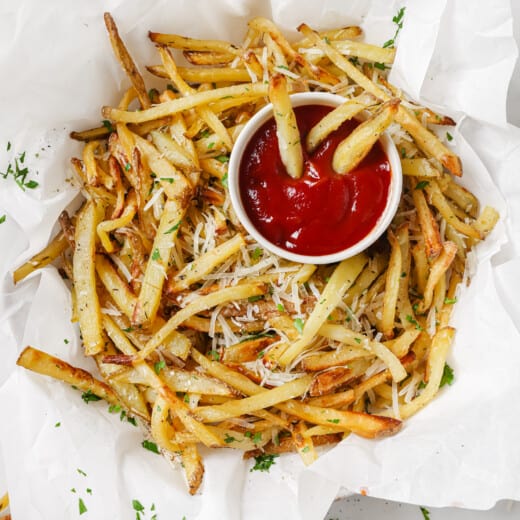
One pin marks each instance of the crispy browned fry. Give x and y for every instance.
(329, 380)
(248, 350)
(91, 134)
(340, 356)
(126, 61)
(429, 227)
(47, 365)
(354, 148)
(192, 44)
(438, 268)
(336, 400)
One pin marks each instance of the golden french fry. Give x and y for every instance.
(332, 121)
(192, 44)
(47, 255)
(289, 142)
(47, 365)
(393, 276)
(84, 272)
(419, 167)
(242, 94)
(429, 227)
(354, 148)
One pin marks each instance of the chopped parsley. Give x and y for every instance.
(224, 181)
(57, 425)
(19, 172)
(128, 167)
(66, 341)
(326, 40)
(335, 421)
(81, 472)
(150, 446)
(214, 355)
(421, 185)
(223, 159)
(204, 133)
(156, 255)
(425, 513)
(306, 449)
(450, 301)
(255, 298)
(159, 366)
(263, 462)
(447, 376)
(398, 21)
(210, 145)
(81, 506)
(171, 180)
(449, 137)
(8, 145)
(137, 506)
(357, 340)
(114, 408)
(413, 321)
(108, 125)
(89, 396)
(257, 253)
(2, 219)
(280, 307)
(173, 228)
(380, 66)
(257, 437)
(299, 324)
(228, 438)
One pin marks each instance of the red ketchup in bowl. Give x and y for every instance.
(322, 212)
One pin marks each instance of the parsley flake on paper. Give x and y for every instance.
(398, 21)
(264, 462)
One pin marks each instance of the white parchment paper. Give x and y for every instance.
(57, 71)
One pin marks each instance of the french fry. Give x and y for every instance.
(262, 400)
(393, 276)
(248, 90)
(419, 167)
(436, 360)
(204, 302)
(126, 61)
(47, 365)
(192, 44)
(438, 268)
(354, 148)
(332, 121)
(196, 75)
(364, 51)
(158, 263)
(47, 255)
(84, 272)
(430, 230)
(204, 264)
(287, 132)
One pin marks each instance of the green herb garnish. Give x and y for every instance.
(263, 462)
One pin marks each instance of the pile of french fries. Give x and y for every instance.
(205, 337)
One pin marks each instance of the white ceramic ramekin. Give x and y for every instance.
(262, 116)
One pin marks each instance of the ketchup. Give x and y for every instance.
(322, 212)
